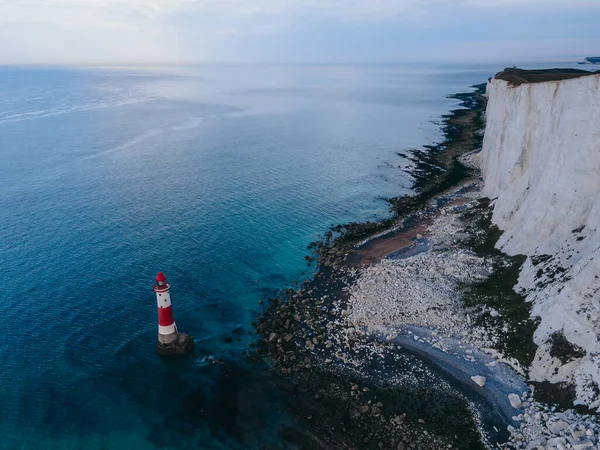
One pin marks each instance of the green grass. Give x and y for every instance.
(497, 291)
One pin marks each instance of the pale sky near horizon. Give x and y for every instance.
(295, 31)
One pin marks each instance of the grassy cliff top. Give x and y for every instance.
(517, 77)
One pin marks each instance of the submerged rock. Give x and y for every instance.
(478, 379)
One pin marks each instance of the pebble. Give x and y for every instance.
(515, 401)
(557, 426)
(582, 445)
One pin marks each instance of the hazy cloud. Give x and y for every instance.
(177, 30)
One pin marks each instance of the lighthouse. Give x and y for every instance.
(170, 340)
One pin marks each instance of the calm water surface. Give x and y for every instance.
(217, 175)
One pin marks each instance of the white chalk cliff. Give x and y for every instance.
(541, 162)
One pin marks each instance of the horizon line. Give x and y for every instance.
(557, 59)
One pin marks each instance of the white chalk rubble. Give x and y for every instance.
(424, 289)
(545, 428)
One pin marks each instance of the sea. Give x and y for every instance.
(217, 175)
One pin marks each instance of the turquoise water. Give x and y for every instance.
(217, 175)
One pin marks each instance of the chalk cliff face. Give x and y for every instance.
(541, 162)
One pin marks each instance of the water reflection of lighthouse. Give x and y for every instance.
(170, 341)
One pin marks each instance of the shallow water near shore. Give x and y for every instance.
(218, 176)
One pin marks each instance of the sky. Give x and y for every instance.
(295, 31)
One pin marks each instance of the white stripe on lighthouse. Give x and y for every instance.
(168, 329)
(163, 299)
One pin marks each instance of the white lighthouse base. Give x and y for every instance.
(182, 345)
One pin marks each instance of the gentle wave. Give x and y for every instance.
(39, 114)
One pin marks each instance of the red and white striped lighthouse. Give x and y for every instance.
(170, 341)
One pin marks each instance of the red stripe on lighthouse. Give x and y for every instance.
(165, 316)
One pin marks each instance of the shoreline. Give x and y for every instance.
(412, 307)
(298, 324)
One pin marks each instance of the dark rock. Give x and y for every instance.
(564, 350)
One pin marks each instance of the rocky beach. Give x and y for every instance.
(411, 334)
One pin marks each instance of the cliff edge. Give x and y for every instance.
(541, 166)
(591, 60)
